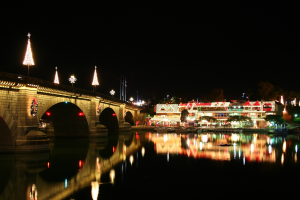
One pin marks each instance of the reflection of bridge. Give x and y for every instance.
(24, 174)
(24, 101)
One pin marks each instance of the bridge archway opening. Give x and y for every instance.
(129, 118)
(108, 118)
(66, 119)
(5, 134)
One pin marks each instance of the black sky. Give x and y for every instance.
(167, 47)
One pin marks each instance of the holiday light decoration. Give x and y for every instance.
(281, 100)
(56, 77)
(34, 107)
(99, 109)
(72, 79)
(95, 79)
(112, 93)
(28, 60)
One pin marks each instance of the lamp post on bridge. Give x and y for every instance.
(72, 79)
(112, 93)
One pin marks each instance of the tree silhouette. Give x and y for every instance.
(184, 115)
(265, 90)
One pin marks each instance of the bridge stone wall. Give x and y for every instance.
(15, 104)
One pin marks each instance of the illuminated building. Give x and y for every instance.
(169, 114)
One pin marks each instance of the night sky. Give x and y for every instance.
(167, 47)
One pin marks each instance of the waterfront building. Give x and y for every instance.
(169, 114)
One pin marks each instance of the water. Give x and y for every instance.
(140, 165)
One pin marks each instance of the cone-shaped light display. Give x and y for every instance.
(95, 79)
(28, 60)
(56, 80)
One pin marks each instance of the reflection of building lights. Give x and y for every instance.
(204, 138)
(296, 148)
(112, 175)
(282, 158)
(66, 183)
(270, 149)
(200, 146)
(268, 140)
(95, 189)
(131, 159)
(284, 146)
(143, 151)
(234, 137)
(244, 160)
(165, 138)
(295, 157)
(48, 164)
(252, 148)
(188, 142)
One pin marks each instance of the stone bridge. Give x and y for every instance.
(25, 102)
(25, 171)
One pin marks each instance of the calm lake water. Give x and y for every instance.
(142, 165)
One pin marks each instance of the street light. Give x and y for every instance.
(131, 99)
(112, 93)
(72, 79)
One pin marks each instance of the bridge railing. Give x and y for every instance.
(48, 84)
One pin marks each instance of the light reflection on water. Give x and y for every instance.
(221, 147)
(99, 163)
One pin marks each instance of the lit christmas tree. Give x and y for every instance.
(28, 60)
(95, 79)
(56, 77)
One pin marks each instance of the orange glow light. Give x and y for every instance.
(114, 149)
(48, 164)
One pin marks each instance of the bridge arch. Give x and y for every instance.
(46, 102)
(109, 118)
(67, 119)
(129, 118)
